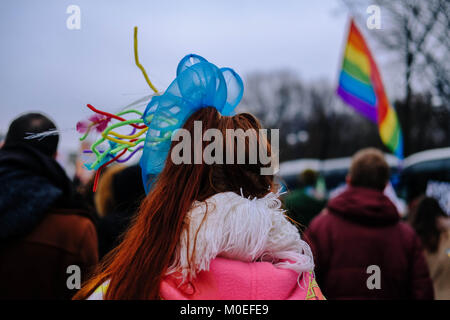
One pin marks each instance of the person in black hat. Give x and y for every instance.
(43, 228)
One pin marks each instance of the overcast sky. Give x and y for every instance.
(47, 67)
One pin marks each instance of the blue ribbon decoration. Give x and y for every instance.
(198, 84)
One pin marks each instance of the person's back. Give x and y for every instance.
(35, 266)
(304, 203)
(303, 206)
(439, 265)
(433, 227)
(126, 195)
(42, 231)
(360, 236)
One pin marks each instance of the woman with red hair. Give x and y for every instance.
(208, 230)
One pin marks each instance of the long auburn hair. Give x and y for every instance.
(136, 267)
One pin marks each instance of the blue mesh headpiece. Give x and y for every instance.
(198, 84)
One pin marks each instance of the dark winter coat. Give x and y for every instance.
(360, 228)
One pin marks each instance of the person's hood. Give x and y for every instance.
(237, 280)
(364, 206)
(30, 184)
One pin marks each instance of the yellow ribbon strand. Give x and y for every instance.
(136, 135)
(131, 144)
(136, 59)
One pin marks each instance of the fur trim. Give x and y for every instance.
(230, 226)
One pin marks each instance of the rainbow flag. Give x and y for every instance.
(361, 87)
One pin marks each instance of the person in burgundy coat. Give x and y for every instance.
(361, 248)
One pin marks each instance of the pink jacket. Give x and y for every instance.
(236, 280)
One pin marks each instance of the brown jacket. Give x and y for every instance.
(35, 266)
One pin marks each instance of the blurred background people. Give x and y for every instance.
(82, 176)
(43, 227)
(360, 228)
(306, 202)
(433, 227)
(104, 195)
(119, 194)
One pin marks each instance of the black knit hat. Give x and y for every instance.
(32, 123)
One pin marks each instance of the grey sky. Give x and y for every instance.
(47, 67)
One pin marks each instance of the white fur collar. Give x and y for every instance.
(241, 229)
